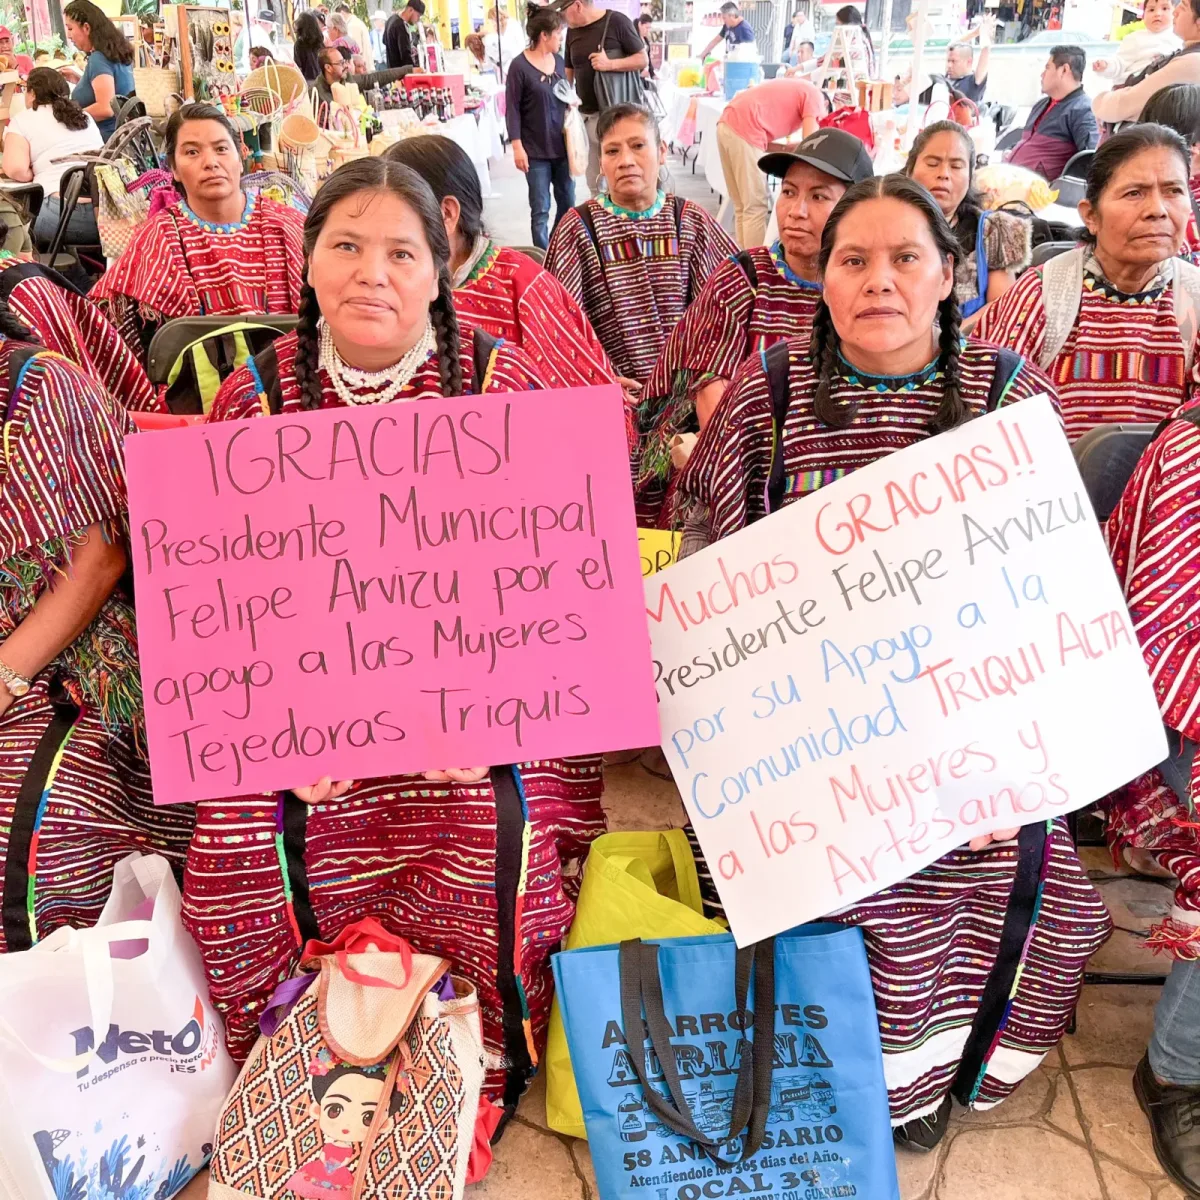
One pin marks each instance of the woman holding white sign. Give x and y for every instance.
(464, 862)
(1108, 321)
(972, 988)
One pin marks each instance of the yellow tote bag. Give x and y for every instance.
(636, 885)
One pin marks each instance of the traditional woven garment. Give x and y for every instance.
(733, 317)
(636, 279)
(74, 787)
(977, 960)
(1154, 536)
(1122, 360)
(71, 325)
(1191, 238)
(180, 266)
(474, 873)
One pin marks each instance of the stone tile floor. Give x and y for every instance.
(1072, 1131)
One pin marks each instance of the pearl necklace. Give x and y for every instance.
(372, 387)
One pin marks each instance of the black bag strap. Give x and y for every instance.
(641, 988)
(775, 364)
(1191, 415)
(745, 260)
(1008, 363)
(483, 346)
(265, 368)
(678, 202)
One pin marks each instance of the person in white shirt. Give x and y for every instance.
(509, 45)
(803, 34)
(359, 34)
(53, 127)
(1138, 50)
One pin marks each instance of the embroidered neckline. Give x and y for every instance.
(889, 383)
(212, 226)
(483, 259)
(1095, 280)
(617, 211)
(780, 261)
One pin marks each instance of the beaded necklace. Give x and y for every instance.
(371, 387)
(212, 226)
(617, 211)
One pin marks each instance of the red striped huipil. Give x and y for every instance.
(419, 856)
(66, 820)
(933, 940)
(731, 319)
(181, 266)
(1122, 360)
(1154, 536)
(635, 282)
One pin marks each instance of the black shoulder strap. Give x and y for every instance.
(18, 356)
(678, 201)
(19, 272)
(775, 363)
(482, 346)
(267, 366)
(1191, 415)
(745, 260)
(589, 223)
(1008, 363)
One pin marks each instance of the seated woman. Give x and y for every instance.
(634, 257)
(52, 128)
(438, 852)
(1178, 108)
(500, 289)
(951, 1019)
(994, 245)
(758, 298)
(219, 251)
(1104, 321)
(74, 782)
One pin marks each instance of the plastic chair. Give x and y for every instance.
(1006, 141)
(75, 181)
(1048, 250)
(127, 108)
(1070, 190)
(535, 252)
(1078, 165)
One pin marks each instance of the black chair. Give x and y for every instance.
(1070, 190)
(1006, 141)
(770, 70)
(1048, 250)
(535, 252)
(127, 108)
(1106, 457)
(77, 181)
(1078, 165)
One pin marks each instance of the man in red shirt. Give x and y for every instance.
(13, 62)
(752, 120)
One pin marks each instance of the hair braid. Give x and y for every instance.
(824, 350)
(952, 410)
(445, 329)
(308, 358)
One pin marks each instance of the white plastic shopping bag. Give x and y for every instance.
(113, 1065)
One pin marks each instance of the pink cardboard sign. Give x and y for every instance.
(367, 592)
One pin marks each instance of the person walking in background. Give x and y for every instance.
(752, 120)
(310, 40)
(598, 40)
(1144, 46)
(535, 113)
(109, 70)
(397, 34)
(1062, 122)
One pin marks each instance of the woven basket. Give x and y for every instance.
(298, 131)
(284, 79)
(152, 86)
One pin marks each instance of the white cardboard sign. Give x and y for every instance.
(930, 649)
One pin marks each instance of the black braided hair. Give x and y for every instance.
(364, 176)
(825, 339)
(445, 329)
(308, 353)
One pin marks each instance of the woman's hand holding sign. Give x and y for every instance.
(325, 790)
(997, 835)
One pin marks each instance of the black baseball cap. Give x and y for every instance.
(833, 151)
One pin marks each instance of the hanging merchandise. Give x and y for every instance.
(365, 1083)
(725, 1089)
(113, 1066)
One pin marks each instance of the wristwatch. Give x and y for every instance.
(17, 685)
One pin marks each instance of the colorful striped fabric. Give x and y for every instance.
(481, 874)
(1154, 536)
(1122, 360)
(180, 266)
(978, 959)
(728, 321)
(74, 786)
(637, 287)
(729, 470)
(71, 325)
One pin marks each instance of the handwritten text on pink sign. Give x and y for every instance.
(358, 593)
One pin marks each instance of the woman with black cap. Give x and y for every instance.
(757, 298)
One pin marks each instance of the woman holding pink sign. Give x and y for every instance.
(978, 959)
(466, 862)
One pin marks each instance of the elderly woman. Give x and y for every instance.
(954, 1017)
(439, 858)
(219, 251)
(74, 781)
(995, 245)
(762, 296)
(634, 257)
(1178, 108)
(1105, 321)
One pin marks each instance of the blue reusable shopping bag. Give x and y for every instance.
(807, 1109)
